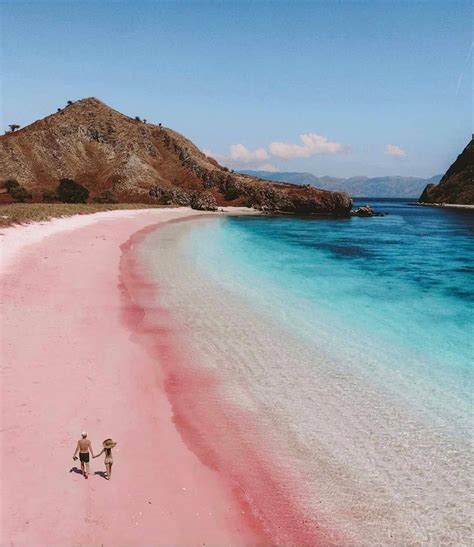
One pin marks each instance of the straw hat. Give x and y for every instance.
(108, 443)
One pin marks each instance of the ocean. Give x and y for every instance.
(351, 341)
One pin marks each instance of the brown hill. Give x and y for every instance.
(122, 158)
(457, 185)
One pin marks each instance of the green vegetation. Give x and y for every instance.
(20, 194)
(70, 191)
(10, 184)
(105, 197)
(22, 213)
(50, 195)
(231, 193)
(16, 191)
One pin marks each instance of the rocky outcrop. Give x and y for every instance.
(116, 155)
(201, 201)
(457, 185)
(366, 211)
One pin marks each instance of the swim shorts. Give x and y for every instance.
(84, 457)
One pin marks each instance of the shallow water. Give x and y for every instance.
(398, 290)
(352, 340)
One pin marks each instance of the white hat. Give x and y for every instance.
(84, 433)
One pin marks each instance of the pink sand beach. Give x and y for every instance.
(72, 360)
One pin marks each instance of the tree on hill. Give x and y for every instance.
(20, 193)
(10, 184)
(14, 126)
(69, 191)
(16, 190)
(231, 193)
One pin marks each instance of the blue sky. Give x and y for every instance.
(332, 87)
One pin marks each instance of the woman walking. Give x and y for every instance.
(108, 444)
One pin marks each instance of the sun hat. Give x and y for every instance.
(108, 443)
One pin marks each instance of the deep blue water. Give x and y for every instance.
(391, 296)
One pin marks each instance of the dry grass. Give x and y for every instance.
(22, 213)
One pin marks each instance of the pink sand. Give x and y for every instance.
(69, 362)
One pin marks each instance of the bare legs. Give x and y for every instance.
(108, 468)
(85, 469)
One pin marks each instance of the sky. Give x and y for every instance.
(339, 88)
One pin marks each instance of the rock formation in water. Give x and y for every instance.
(120, 158)
(366, 211)
(457, 185)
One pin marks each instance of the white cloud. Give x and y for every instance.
(393, 150)
(312, 144)
(239, 152)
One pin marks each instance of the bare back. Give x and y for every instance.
(84, 445)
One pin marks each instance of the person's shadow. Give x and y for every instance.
(75, 470)
(102, 474)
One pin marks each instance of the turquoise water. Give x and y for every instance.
(391, 297)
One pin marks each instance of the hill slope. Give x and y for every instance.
(457, 185)
(382, 187)
(107, 151)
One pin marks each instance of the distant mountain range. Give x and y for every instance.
(381, 187)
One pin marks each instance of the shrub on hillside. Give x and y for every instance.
(10, 184)
(231, 193)
(19, 193)
(105, 197)
(50, 195)
(70, 191)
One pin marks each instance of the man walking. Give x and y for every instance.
(83, 446)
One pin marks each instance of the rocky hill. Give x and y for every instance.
(122, 158)
(380, 187)
(457, 185)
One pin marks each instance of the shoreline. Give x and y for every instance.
(210, 423)
(70, 362)
(350, 442)
(446, 205)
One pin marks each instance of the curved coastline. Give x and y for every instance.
(357, 451)
(91, 339)
(69, 364)
(224, 436)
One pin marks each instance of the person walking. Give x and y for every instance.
(108, 444)
(84, 446)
